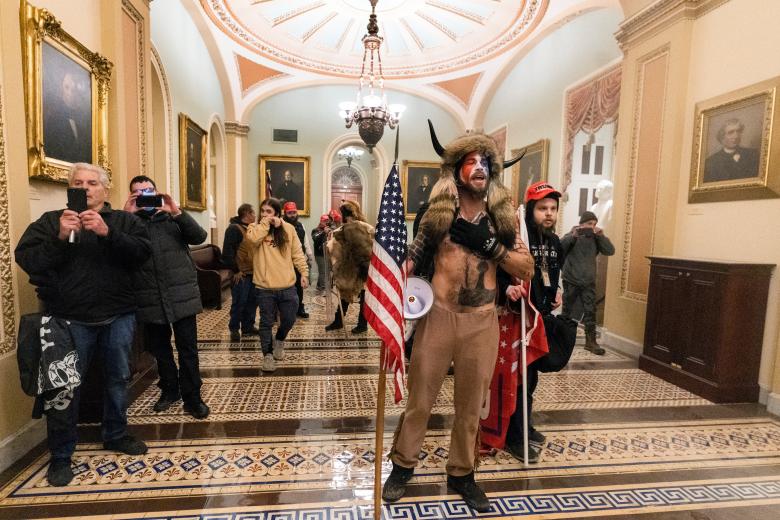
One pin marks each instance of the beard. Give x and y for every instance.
(475, 191)
(291, 220)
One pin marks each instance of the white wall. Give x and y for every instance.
(192, 78)
(313, 111)
(732, 47)
(530, 99)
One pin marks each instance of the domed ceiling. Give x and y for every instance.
(421, 37)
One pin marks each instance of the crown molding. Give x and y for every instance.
(659, 16)
(236, 128)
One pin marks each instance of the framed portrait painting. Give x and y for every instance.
(530, 169)
(66, 98)
(417, 179)
(287, 179)
(192, 164)
(736, 146)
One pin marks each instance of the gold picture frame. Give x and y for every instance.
(530, 169)
(736, 146)
(66, 90)
(413, 174)
(273, 169)
(192, 164)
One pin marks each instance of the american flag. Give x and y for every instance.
(386, 279)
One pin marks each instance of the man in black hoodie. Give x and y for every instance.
(237, 255)
(81, 264)
(541, 215)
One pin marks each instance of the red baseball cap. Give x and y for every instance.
(335, 215)
(290, 206)
(324, 219)
(540, 190)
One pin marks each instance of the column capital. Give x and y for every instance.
(236, 128)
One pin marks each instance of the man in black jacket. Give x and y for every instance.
(291, 217)
(237, 254)
(166, 287)
(87, 281)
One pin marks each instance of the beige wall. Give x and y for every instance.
(725, 48)
(97, 24)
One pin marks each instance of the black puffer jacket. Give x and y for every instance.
(90, 280)
(166, 285)
(545, 247)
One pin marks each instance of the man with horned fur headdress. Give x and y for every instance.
(469, 231)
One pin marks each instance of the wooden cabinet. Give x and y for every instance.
(705, 326)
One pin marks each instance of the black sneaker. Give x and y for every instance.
(198, 409)
(395, 485)
(338, 324)
(127, 444)
(165, 401)
(360, 329)
(303, 314)
(536, 436)
(60, 472)
(516, 450)
(472, 494)
(235, 335)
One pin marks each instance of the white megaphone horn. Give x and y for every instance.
(418, 298)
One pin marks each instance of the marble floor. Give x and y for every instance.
(298, 443)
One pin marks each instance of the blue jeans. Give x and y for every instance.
(244, 306)
(114, 340)
(286, 300)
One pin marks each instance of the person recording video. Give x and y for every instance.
(166, 288)
(88, 282)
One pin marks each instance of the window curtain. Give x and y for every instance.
(589, 107)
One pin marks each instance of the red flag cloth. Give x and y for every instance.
(384, 309)
(507, 380)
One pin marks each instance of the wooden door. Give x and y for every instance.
(666, 309)
(339, 195)
(704, 304)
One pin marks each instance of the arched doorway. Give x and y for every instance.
(217, 199)
(161, 169)
(345, 184)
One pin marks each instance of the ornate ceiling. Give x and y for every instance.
(422, 37)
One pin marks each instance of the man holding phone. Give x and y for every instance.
(87, 281)
(166, 287)
(581, 246)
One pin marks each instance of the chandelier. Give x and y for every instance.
(349, 153)
(370, 110)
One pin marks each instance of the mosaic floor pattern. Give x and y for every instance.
(270, 397)
(317, 354)
(175, 468)
(626, 500)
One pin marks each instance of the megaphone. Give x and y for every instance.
(418, 298)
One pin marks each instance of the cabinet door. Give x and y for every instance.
(665, 314)
(697, 355)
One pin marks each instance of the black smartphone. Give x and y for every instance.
(149, 201)
(77, 199)
(586, 231)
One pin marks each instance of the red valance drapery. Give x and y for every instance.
(589, 107)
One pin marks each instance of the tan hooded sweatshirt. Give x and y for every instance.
(275, 269)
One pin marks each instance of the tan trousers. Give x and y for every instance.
(471, 341)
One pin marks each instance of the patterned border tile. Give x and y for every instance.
(251, 465)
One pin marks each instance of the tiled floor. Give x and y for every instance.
(299, 444)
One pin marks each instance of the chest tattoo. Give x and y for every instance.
(476, 295)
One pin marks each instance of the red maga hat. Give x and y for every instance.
(290, 206)
(540, 190)
(324, 219)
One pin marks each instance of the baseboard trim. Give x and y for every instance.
(773, 403)
(621, 344)
(763, 395)
(13, 447)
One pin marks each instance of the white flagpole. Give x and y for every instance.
(524, 348)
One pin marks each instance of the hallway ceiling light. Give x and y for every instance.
(370, 111)
(349, 153)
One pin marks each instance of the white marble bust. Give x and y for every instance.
(603, 208)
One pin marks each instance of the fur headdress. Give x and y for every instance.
(444, 195)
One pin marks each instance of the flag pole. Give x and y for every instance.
(380, 405)
(524, 349)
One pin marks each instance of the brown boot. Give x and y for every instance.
(592, 345)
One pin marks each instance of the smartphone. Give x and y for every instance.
(77, 199)
(149, 201)
(586, 231)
